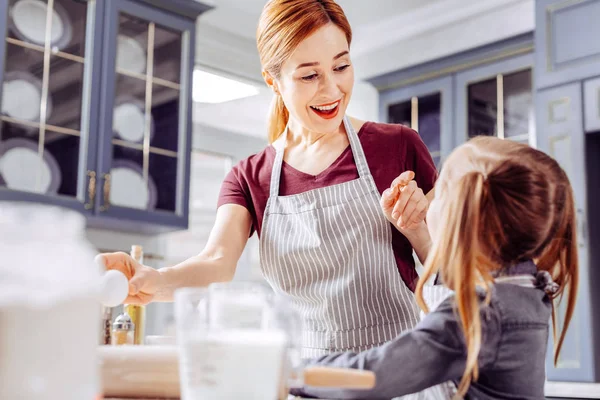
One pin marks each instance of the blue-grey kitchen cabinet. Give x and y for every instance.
(96, 108)
(560, 134)
(566, 41)
(425, 107)
(591, 105)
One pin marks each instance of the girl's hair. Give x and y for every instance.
(501, 203)
(282, 26)
(559, 255)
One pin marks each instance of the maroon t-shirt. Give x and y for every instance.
(390, 149)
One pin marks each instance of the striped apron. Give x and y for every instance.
(329, 251)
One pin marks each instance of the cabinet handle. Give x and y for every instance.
(91, 190)
(106, 191)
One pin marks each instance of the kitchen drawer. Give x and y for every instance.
(591, 104)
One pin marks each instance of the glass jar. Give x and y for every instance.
(49, 308)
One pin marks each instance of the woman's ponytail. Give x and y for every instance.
(278, 118)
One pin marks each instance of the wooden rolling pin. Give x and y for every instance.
(139, 371)
(153, 371)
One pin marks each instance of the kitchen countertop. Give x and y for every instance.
(164, 398)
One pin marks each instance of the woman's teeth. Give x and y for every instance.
(326, 108)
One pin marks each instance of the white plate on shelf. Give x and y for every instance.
(20, 163)
(22, 96)
(131, 56)
(28, 22)
(129, 120)
(127, 188)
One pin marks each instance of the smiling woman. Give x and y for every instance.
(286, 41)
(339, 204)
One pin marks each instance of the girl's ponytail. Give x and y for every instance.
(458, 248)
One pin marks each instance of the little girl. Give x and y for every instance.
(503, 239)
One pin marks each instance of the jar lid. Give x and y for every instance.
(123, 322)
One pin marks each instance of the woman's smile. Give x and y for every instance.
(327, 110)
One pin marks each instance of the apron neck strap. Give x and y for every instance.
(357, 151)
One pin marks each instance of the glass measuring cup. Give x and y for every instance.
(229, 344)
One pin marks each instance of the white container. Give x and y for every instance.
(49, 308)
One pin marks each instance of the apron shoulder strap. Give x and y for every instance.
(357, 151)
(279, 146)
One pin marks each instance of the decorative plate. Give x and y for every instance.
(22, 96)
(127, 188)
(131, 56)
(28, 22)
(129, 120)
(20, 163)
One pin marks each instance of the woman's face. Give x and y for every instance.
(316, 81)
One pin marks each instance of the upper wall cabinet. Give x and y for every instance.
(496, 100)
(426, 108)
(95, 108)
(566, 41)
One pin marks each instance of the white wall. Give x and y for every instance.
(247, 116)
(119, 241)
(364, 103)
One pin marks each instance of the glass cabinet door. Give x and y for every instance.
(423, 115)
(147, 129)
(421, 107)
(502, 106)
(45, 100)
(496, 100)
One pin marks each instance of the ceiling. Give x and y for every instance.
(241, 17)
(388, 35)
(376, 24)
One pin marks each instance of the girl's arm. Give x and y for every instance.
(432, 353)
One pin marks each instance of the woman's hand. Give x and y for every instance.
(404, 203)
(143, 281)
